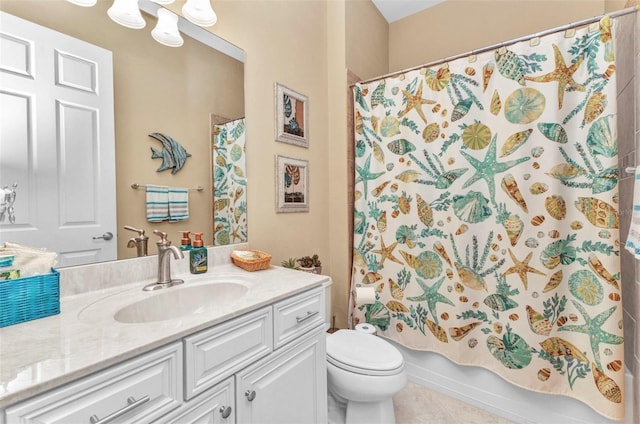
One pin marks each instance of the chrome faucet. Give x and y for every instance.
(164, 263)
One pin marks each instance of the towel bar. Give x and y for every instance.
(136, 186)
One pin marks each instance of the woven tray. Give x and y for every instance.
(260, 260)
(29, 298)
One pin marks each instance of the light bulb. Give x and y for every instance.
(83, 3)
(126, 13)
(166, 30)
(199, 12)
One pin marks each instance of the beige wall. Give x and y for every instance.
(459, 26)
(367, 39)
(156, 89)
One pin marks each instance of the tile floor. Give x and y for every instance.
(416, 404)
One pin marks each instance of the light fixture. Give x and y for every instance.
(199, 12)
(83, 3)
(126, 13)
(163, 1)
(166, 30)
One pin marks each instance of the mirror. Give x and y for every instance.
(173, 91)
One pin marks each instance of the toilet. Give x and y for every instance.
(364, 371)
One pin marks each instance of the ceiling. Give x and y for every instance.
(393, 10)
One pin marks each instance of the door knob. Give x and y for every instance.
(250, 394)
(106, 236)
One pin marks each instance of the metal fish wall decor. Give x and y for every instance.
(173, 154)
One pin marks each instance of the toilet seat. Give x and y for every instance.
(363, 353)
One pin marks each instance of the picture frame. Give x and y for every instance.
(292, 123)
(292, 184)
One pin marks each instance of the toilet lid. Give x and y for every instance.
(363, 353)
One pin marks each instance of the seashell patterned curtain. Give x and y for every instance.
(229, 182)
(486, 198)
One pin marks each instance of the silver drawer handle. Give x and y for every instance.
(225, 411)
(306, 317)
(132, 403)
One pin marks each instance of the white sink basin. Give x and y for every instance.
(175, 303)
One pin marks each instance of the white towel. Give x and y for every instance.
(30, 260)
(178, 204)
(633, 239)
(157, 203)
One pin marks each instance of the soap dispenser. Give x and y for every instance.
(198, 255)
(185, 243)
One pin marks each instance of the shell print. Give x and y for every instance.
(511, 350)
(440, 250)
(476, 136)
(437, 331)
(487, 73)
(425, 213)
(395, 306)
(606, 386)
(496, 103)
(510, 65)
(599, 213)
(538, 188)
(596, 104)
(514, 141)
(431, 132)
(555, 346)
(538, 323)
(438, 80)
(554, 281)
(598, 268)
(459, 333)
(554, 132)
(473, 207)
(556, 207)
(461, 109)
(514, 226)
(510, 186)
(396, 290)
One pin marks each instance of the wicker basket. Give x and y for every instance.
(29, 298)
(260, 261)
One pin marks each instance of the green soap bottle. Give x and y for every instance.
(198, 262)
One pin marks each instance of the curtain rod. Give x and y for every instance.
(504, 44)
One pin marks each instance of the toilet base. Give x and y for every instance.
(370, 412)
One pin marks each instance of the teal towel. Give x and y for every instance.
(157, 203)
(178, 204)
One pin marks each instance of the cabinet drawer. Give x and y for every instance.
(215, 405)
(297, 315)
(139, 390)
(216, 353)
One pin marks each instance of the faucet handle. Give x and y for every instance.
(163, 238)
(140, 231)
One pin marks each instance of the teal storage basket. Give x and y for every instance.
(29, 298)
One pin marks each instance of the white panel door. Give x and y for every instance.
(57, 142)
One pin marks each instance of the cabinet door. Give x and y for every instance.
(214, 406)
(289, 386)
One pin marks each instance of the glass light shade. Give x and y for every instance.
(83, 3)
(199, 12)
(163, 1)
(126, 13)
(166, 30)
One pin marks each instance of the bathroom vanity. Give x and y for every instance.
(255, 354)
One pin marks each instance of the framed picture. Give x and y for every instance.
(291, 116)
(292, 184)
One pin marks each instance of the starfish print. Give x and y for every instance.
(521, 268)
(488, 168)
(563, 75)
(431, 296)
(365, 175)
(387, 253)
(591, 328)
(415, 102)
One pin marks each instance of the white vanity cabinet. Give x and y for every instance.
(142, 389)
(266, 366)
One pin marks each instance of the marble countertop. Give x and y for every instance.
(84, 338)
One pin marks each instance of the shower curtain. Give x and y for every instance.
(229, 183)
(486, 195)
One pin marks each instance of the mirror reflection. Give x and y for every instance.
(156, 89)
